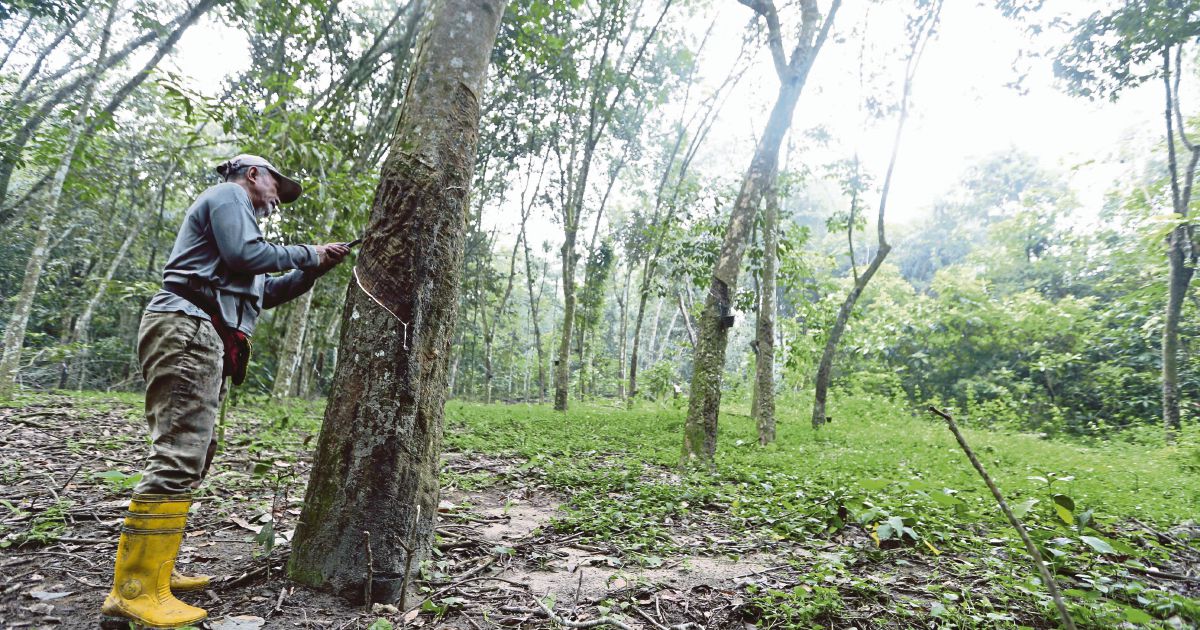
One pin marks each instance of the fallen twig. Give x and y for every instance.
(1166, 575)
(1051, 585)
(647, 617)
(591, 623)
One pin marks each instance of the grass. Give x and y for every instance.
(896, 474)
(886, 488)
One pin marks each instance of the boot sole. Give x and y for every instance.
(124, 623)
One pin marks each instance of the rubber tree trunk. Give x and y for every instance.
(375, 470)
(700, 430)
(562, 360)
(764, 401)
(14, 334)
(1179, 277)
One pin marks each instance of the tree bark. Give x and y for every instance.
(376, 464)
(700, 429)
(623, 304)
(14, 334)
(764, 407)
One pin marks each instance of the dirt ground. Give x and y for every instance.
(63, 476)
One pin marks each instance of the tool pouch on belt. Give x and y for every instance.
(235, 356)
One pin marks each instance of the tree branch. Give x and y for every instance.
(766, 9)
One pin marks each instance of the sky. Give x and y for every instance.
(962, 106)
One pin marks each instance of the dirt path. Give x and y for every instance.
(64, 478)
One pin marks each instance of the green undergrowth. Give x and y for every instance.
(882, 498)
(896, 476)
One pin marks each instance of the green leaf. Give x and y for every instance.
(1134, 615)
(1098, 545)
(266, 536)
(380, 624)
(874, 484)
(1064, 506)
(1021, 509)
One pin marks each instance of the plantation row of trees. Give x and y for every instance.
(616, 247)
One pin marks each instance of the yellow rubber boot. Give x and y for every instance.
(181, 583)
(150, 541)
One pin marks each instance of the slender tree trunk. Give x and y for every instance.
(534, 299)
(685, 309)
(292, 352)
(80, 333)
(764, 408)
(825, 367)
(700, 429)
(562, 362)
(375, 469)
(1181, 249)
(14, 334)
(304, 387)
(623, 302)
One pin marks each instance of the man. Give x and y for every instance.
(192, 334)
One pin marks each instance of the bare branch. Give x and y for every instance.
(1172, 163)
(1178, 111)
(766, 9)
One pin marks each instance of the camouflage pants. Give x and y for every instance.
(181, 362)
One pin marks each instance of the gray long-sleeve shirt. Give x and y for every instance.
(220, 242)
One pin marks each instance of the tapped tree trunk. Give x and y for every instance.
(14, 334)
(764, 399)
(700, 429)
(375, 471)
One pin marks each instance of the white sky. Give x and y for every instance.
(962, 108)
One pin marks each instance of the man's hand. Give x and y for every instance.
(329, 256)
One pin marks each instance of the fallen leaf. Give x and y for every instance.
(47, 596)
(238, 622)
(412, 614)
(244, 524)
(41, 609)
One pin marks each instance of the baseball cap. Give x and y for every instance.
(289, 189)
